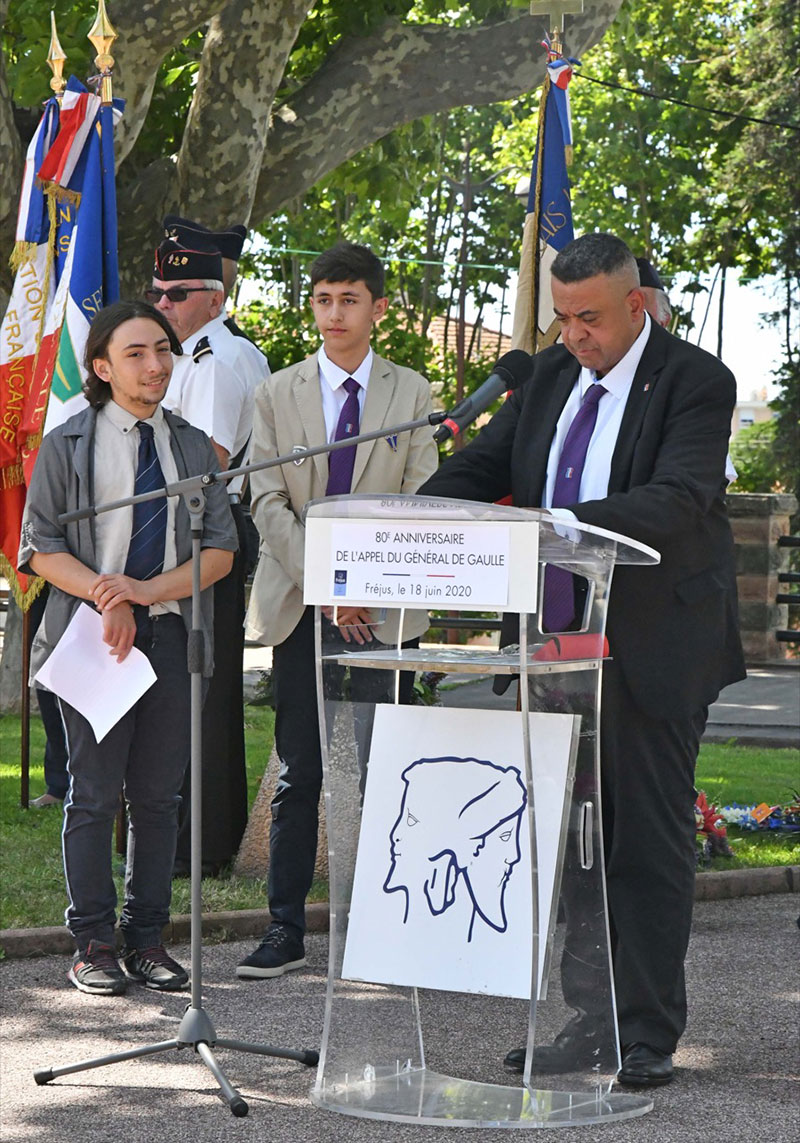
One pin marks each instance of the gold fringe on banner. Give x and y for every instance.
(12, 475)
(22, 254)
(60, 194)
(23, 599)
(34, 440)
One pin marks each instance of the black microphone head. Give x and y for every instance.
(515, 367)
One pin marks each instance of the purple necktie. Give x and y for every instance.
(559, 593)
(340, 462)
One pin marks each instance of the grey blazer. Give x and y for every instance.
(63, 481)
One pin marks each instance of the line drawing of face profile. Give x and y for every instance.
(458, 825)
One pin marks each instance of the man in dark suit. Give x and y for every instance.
(655, 471)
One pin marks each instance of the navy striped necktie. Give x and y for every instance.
(342, 461)
(559, 591)
(149, 527)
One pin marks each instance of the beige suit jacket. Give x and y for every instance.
(288, 412)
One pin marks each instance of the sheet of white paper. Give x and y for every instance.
(81, 671)
(413, 919)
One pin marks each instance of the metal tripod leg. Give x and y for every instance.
(196, 1030)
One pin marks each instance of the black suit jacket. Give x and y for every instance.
(673, 628)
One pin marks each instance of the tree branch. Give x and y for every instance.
(370, 85)
(245, 54)
(11, 166)
(148, 30)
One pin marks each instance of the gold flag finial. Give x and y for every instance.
(555, 11)
(102, 37)
(56, 57)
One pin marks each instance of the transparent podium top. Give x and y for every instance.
(561, 541)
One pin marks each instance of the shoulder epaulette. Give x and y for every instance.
(201, 349)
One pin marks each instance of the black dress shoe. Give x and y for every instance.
(515, 1060)
(577, 1046)
(643, 1066)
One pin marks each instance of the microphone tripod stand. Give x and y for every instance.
(196, 1029)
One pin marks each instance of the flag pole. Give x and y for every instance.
(548, 223)
(56, 58)
(102, 36)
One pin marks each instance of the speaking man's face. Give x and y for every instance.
(600, 318)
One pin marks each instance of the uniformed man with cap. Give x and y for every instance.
(656, 301)
(229, 242)
(213, 387)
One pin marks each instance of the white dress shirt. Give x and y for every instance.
(331, 383)
(116, 454)
(610, 408)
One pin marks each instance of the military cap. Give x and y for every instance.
(648, 275)
(229, 242)
(175, 262)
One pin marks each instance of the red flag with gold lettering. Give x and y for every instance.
(20, 337)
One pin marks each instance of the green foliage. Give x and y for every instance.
(786, 442)
(26, 42)
(753, 455)
(32, 886)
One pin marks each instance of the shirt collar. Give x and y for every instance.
(335, 376)
(124, 421)
(204, 330)
(619, 379)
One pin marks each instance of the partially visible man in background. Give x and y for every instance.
(213, 387)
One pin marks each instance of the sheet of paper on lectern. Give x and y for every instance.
(442, 893)
(82, 671)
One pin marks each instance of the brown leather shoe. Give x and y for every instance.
(643, 1066)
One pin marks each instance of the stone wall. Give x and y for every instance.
(758, 521)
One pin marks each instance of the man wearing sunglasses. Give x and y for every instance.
(213, 388)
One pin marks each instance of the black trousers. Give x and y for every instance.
(223, 763)
(144, 755)
(295, 807)
(55, 750)
(648, 795)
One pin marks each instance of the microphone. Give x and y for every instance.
(512, 370)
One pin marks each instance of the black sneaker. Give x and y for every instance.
(154, 968)
(279, 952)
(95, 969)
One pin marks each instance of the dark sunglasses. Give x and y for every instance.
(175, 293)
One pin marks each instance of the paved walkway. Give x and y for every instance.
(763, 709)
(738, 1073)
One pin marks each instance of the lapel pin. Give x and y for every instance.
(392, 441)
(297, 449)
(646, 386)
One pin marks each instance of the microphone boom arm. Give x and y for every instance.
(204, 480)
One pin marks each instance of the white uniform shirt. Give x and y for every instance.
(216, 393)
(116, 455)
(331, 382)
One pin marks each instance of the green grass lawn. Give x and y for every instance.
(32, 882)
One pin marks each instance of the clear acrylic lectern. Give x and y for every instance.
(465, 846)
